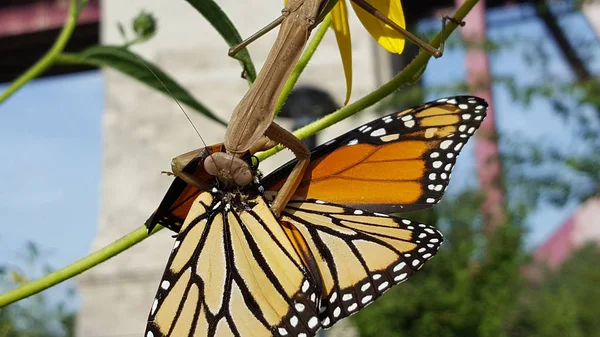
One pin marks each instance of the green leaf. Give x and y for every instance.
(123, 60)
(219, 20)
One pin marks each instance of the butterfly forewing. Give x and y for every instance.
(233, 271)
(397, 163)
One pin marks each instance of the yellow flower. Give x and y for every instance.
(387, 37)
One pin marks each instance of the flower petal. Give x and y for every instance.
(387, 37)
(340, 26)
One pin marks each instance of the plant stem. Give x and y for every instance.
(303, 62)
(403, 78)
(47, 60)
(78, 267)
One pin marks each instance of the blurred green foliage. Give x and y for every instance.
(40, 315)
(567, 300)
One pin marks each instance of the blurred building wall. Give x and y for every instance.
(582, 227)
(143, 130)
(591, 10)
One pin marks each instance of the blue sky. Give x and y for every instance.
(50, 133)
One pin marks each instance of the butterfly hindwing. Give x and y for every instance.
(360, 255)
(400, 162)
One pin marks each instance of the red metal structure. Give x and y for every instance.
(29, 27)
(489, 167)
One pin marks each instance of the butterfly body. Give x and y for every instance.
(236, 270)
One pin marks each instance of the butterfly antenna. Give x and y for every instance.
(173, 97)
(176, 101)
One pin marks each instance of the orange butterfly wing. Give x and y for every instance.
(397, 163)
(176, 204)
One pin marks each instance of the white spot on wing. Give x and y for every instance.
(400, 277)
(305, 286)
(378, 132)
(383, 285)
(165, 284)
(399, 266)
(312, 322)
(154, 306)
(445, 144)
(353, 142)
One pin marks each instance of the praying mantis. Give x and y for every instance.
(251, 128)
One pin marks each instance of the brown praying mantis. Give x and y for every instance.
(251, 127)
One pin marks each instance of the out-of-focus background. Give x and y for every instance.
(81, 151)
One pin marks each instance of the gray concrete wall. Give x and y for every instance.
(143, 130)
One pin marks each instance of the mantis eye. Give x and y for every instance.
(228, 168)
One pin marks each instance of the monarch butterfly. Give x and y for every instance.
(235, 270)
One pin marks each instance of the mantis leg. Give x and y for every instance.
(278, 135)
